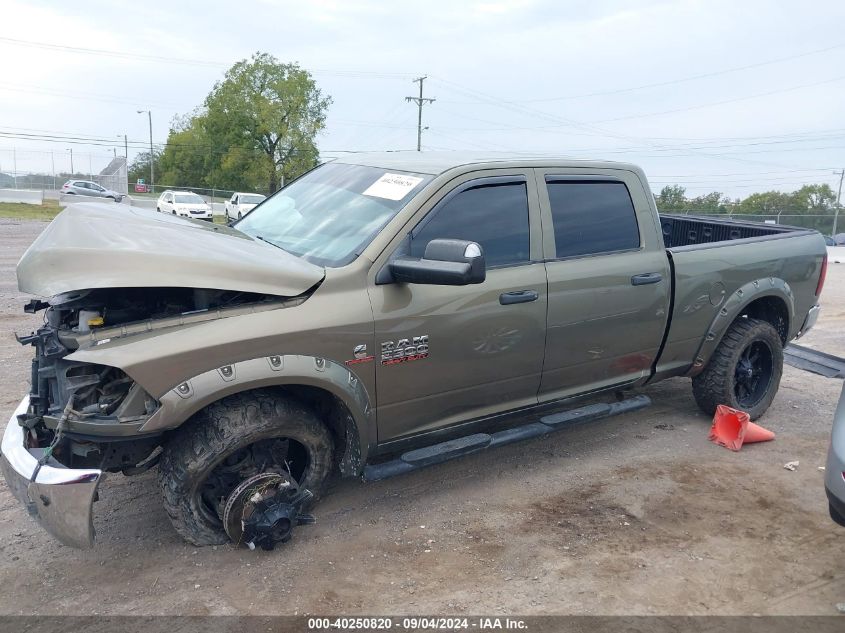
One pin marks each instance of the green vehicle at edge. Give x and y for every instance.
(381, 313)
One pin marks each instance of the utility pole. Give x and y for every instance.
(71, 162)
(841, 174)
(152, 156)
(420, 101)
(126, 158)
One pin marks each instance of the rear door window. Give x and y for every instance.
(494, 215)
(592, 217)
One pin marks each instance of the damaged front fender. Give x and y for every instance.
(355, 419)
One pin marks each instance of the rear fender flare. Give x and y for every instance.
(193, 394)
(733, 307)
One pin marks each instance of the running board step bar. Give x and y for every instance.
(438, 453)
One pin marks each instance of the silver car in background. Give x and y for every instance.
(834, 474)
(89, 188)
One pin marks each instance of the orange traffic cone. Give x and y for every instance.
(732, 428)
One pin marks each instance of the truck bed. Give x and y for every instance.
(684, 230)
(712, 259)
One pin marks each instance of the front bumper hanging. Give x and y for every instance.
(61, 499)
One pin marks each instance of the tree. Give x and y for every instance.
(766, 203)
(188, 155)
(814, 199)
(671, 198)
(713, 202)
(263, 119)
(140, 166)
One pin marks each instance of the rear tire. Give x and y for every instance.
(745, 370)
(835, 515)
(206, 457)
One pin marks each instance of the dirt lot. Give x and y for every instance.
(638, 514)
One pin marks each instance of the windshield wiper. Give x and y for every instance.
(264, 239)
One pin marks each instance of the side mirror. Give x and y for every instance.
(445, 263)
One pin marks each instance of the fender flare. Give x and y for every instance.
(741, 298)
(193, 394)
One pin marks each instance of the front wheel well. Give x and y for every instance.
(337, 418)
(772, 310)
(333, 413)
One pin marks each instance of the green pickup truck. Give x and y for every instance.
(381, 313)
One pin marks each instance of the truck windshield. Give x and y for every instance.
(330, 214)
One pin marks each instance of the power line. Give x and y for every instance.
(589, 126)
(100, 52)
(78, 95)
(196, 147)
(668, 181)
(486, 146)
(529, 111)
(751, 137)
(109, 53)
(726, 101)
(757, 188)
(109, 141)
(61, 137)
(747, 173)
(670, 82)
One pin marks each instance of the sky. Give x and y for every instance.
(730, 96)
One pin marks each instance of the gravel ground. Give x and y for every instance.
(638, 514)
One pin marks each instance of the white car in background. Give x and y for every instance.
(835, 248)
(242, 203)
(184, 203)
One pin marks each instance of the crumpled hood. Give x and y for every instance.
(94, 245)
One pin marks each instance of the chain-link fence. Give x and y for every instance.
(47, 170)
(210, 194)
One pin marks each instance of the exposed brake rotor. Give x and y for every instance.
(263, 510)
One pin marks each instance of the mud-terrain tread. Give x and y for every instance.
(714, 385)
(234, 421)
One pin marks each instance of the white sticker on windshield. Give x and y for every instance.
(392, 186)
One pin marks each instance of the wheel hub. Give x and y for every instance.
(263, 510)
(753, 374)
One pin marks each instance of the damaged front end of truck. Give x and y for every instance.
(82, 419)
